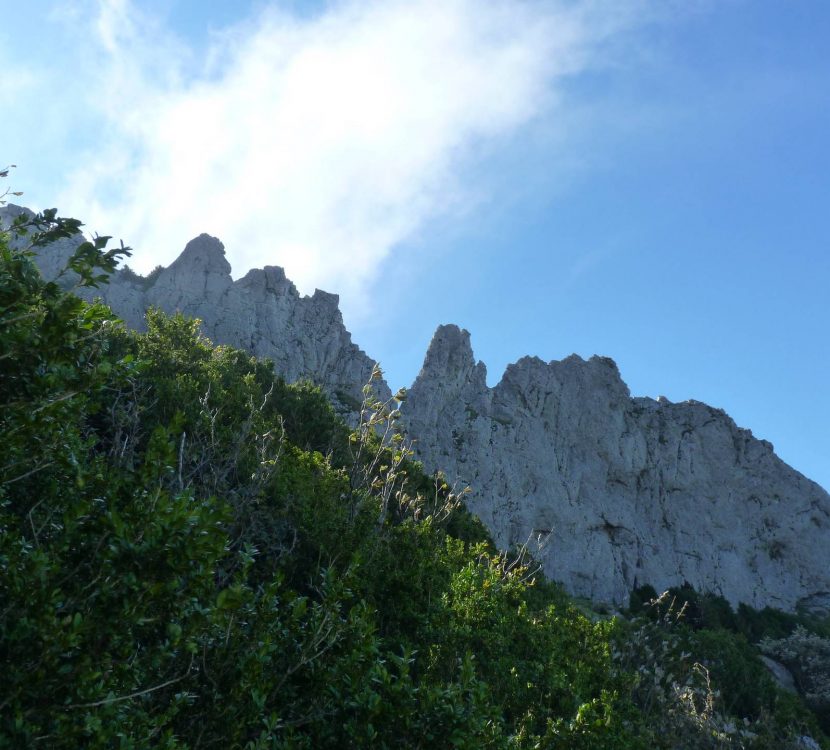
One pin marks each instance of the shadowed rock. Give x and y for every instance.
(262, 312)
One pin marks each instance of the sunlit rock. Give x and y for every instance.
(628, 491)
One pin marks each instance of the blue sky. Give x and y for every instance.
(646, 181)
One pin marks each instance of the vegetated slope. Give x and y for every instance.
(195, 554)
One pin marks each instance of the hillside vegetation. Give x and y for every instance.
(194, 554)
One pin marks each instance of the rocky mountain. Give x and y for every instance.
(624, 491)
(262, 312)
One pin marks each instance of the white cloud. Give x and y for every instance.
(318, 144)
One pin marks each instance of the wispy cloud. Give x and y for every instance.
(318, 143)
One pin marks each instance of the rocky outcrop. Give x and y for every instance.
(261, 312)
(629, 490)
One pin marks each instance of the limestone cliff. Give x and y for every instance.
(629, 490)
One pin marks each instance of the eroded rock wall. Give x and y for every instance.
(630, 490)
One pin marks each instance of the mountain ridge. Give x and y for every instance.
(626, 490)
(632, 490)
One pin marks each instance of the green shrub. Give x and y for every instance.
(807, 656)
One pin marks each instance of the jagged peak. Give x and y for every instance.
(326, 299)
(531, 370)
(206, 253)
(452, 336)
(449, 351)
(271, 278)
(607, 362)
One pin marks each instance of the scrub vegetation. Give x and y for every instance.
(195, 554)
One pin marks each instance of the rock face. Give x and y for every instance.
(261, 312)
(630, 490)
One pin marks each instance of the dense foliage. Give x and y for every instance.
(195, 554)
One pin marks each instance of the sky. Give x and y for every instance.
(648, 181)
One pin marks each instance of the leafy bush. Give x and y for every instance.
(807, 656)
(721, 669)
